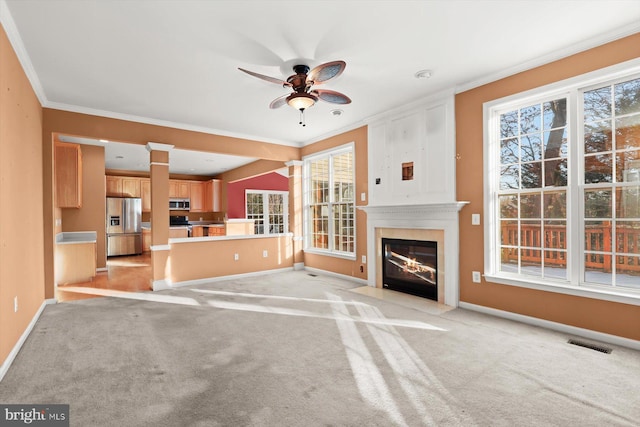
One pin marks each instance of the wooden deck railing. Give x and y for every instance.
(597, 239)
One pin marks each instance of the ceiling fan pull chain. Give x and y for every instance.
(302, 122)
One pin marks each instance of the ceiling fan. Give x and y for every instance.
(301, 82)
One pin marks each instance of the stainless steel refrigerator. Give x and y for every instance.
(124, 226)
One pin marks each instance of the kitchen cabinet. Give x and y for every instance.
(197, 231)
(178, 232)
(212, 195)
(145, 194)
(130, 187)
(197, 196)
(146, 240)
(113, 186)
(68, 175)
(179, 189)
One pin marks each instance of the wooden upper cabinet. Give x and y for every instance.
(113, 186)
(196, 190)
(212, 196)
(68, 174)
(130, 186)
(145, 194)
(179, 189)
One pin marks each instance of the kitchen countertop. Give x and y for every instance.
(76, 237)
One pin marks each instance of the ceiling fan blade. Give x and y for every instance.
(267, 78)
(279, 101)
(324, 72)
(331, 96)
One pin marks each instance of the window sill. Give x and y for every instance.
(331, 254)
(618, 295)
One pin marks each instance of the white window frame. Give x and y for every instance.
(330, 153)
(571, 88)
(265, 208)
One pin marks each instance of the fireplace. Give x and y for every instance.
(410, 266)
(436, 223)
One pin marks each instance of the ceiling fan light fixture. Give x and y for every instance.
(301, 101)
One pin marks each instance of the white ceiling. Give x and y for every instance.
(174, 62)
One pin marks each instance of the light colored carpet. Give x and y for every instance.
(289, 349)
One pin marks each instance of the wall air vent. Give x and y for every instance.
(597, 347)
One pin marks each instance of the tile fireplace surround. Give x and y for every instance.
(433, 222)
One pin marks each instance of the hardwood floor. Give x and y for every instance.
(124, 273)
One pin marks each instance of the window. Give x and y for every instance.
(269, 211)
(564, 193)
(330, 203)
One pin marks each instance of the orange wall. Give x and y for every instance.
(91, 216)
(607, 317)
(330, 263)
(21, 185)
(215, 258)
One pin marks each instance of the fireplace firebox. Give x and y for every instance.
(410, 266)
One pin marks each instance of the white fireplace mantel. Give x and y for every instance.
(430, 216)
(430, 210)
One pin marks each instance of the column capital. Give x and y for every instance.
(157, 146)
(294, 163)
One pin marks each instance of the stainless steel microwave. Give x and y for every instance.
(179, 204)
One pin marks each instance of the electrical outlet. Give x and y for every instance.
(475, 276)
(264, 254)
(364, 259)
(15, 304)
(236, 257)
(363, 197)
(475, 219)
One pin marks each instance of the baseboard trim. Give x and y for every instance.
(341, 276)
(16, 348)
(229, 277)
(298, 266)
(161, 285)
(559, 327)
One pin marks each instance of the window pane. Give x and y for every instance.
(598, 236)
(555, 143)
(597, 203)
(555, 173)
(508, 206)
(555, 264)
(319, 171)
(509, 124)
(598, 137)
(530, 205)
(598, 268)
(532, 175)
(343, 216)
(628, 132)
(530, 234)
(555, 204)
(530, 148)
(597, 104)
(555, 113)
(509, 179)
(509, 151)
(628, 237)
(598, 169)
(628, 202)
(530, 119)
(627, 161)
(531, 262)
(555, 234)
(509, 260)
(627, 97)
(509, 233)
(627, 272)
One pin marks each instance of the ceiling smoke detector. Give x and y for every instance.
(337, 112)
(422, 74)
